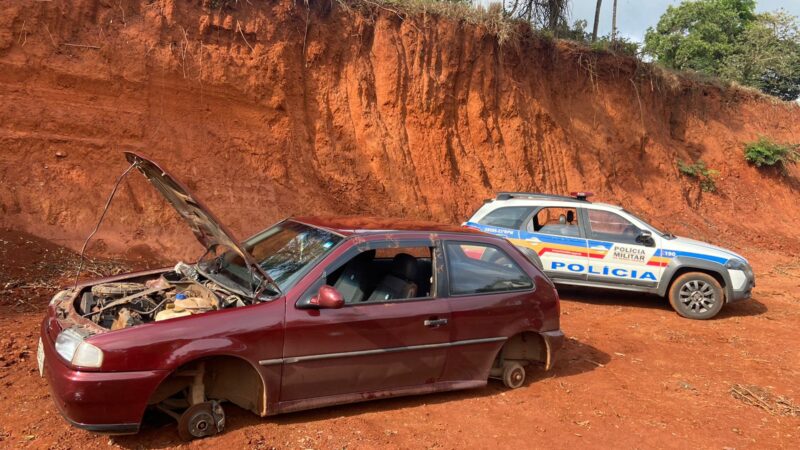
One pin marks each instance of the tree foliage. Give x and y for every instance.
(577, 32)
(768, 56)
(727, 38)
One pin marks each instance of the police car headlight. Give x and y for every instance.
(736, 264)
(71, 346)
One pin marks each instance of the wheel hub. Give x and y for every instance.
(201, 420)
(697, 295)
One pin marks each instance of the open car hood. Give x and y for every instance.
(204, 225)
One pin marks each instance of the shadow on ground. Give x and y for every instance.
(750, 307)
(159, 431)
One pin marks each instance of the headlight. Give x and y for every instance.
(71, 346)
(736, 264)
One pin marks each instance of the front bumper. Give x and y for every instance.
(746, 291)
(740, 295)
(107, 402)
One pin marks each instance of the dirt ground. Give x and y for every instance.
(632, 373)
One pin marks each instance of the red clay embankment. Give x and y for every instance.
(267, 115)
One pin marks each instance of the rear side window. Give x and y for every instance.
(557, 221)
(508, 217)
(481, 268)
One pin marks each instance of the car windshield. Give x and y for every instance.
(282, 251)
(666, 235)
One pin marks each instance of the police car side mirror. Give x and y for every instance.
(645, 237)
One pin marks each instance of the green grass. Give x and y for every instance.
(492, 17)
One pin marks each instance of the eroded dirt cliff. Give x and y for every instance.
(268, 109)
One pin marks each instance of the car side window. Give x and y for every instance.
(481, 268)
(556, 221)
(610, 226)
(384, 275)
(508, 217)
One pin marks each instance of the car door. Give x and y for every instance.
(618, 255)
(485, 288)
(364, 347)
(555, 235)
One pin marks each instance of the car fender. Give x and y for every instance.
(701, 265)
(209, 349)
(201, 348)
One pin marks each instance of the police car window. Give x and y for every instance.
(609, 226)
(477, 268)
(508, 217)
(558, 221)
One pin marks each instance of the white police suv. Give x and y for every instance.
(580, 243)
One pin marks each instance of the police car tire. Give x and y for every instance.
(684, 310)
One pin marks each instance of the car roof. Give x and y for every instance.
(539, 199)
(538, 196)
(351, 225)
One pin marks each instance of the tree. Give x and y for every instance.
(546, 14)
(614, 21)
(726, 38)
(596, 20)
(768, 56)
(699, 34)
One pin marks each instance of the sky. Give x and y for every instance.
(634, 16)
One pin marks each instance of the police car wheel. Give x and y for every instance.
(696, 295)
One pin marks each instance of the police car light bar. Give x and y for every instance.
(581, 195)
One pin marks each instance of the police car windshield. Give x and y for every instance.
(666, 235)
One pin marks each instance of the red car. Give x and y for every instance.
(307, 313)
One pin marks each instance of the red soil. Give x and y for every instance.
(633, 374)
(419, 118)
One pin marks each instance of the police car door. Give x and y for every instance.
(618, 254)
(557, 238)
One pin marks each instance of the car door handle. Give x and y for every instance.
(435, 323)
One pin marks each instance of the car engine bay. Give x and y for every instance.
(178, 293)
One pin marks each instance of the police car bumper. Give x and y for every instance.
(745, 290)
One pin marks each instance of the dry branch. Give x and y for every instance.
(68, 44)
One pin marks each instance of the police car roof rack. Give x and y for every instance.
(539, 196)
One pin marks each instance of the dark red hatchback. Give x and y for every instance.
(307, 313)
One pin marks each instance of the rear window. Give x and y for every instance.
(508, 217)
(479, 268)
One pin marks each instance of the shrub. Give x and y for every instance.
(767, 153)
(620, 46)
(493, 18)
(699, 171)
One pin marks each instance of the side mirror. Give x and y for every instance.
(327, 298)
(645, 237)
